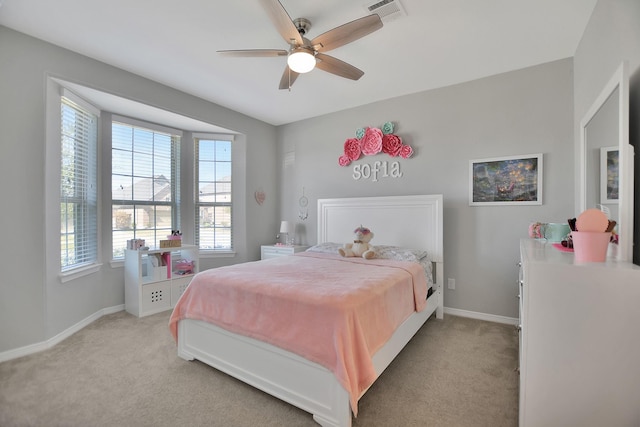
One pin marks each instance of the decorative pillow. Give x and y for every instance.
(399, 253)
(428, 269)
(382, 251)
(326, 248)
(385, 252)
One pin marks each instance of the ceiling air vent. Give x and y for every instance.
(387, 10)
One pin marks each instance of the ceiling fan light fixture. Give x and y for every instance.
(301, 61)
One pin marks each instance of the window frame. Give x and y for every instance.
(232, 204)
(175, 177)
(68, 273)
(84, 194)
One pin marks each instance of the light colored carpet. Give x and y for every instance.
(124, 371)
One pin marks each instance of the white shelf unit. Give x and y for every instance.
(152, 280)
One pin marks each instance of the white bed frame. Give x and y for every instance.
(410, 221)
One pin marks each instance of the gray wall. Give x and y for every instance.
(521, 112)
(34, 305)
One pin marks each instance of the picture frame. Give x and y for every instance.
(609, 175)
(510, 180)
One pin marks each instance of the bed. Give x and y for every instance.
(301, 378)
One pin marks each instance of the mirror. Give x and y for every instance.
(601, 139)
(606, 159)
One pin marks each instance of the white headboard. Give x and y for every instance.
(411, 221)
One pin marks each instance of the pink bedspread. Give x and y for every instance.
(334, 311)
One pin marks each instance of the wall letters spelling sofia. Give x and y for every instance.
(377, 169)
(371, 141)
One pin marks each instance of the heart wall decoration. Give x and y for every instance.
(260, 197)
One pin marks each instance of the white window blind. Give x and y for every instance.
(213, 193)
(78, 186)
(145, 184)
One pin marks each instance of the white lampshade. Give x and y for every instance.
(285, 227)
(301, 61)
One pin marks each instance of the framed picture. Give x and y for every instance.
(609, 174)
(513, 180)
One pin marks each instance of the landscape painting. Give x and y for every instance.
(514, 180)
(609, 175)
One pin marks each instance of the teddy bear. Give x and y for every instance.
(360, 246)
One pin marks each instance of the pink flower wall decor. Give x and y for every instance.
(352, 148)
(406, 151)
(371, 141)
(391, 144)
(344, 160)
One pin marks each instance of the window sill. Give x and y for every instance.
(117, 263)
(76, 273)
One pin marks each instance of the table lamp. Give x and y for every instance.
(286, 231)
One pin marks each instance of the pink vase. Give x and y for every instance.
(590, 246)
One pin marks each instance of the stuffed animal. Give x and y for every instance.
(360, 246)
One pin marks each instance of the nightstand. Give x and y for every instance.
(272, 251)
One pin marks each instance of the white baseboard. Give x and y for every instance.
(481, 316)
(45, 345)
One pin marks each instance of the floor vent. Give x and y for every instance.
(387, 10)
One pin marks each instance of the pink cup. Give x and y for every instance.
(590, 246)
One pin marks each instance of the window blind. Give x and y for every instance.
(78, 185)
(145, 184)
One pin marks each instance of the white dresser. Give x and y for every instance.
(272, 251)
(579, 340)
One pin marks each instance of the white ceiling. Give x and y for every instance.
(438, 43)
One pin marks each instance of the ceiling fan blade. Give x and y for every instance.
(339, 68)
(288, 77)
(282, 21)
(254, 52)
(346, 33)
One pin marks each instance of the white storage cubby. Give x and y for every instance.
(154, 279)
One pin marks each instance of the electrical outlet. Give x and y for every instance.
(451, 283)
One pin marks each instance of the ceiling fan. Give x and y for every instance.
(304, 54)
